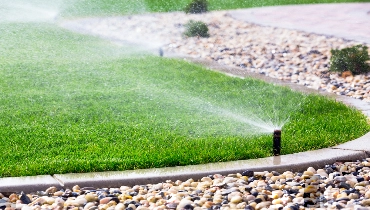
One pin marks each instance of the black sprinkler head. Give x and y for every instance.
(276, 142)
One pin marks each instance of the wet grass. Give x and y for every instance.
(74, 103)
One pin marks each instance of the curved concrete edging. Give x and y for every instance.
(294, 162)
(352, 150)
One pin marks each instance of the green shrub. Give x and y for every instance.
(351, 59)
(196, 28)
(197, 6)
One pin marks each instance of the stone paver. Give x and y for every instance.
(346, 20)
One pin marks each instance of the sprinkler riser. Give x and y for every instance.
(276, 142)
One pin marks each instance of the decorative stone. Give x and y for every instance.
(90, 197)
(105, 200)
(51, 190)
(25, 199)
(248, 173)
(262, 205)
(185, 204)
(236, 199)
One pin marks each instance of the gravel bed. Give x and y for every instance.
(294, 56)
(337, 186)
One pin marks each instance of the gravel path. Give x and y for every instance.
(297, 57)
(337, 186)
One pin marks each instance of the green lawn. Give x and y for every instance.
(75, 103)
(113, 7)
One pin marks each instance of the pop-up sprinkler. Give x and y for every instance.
(276, 142)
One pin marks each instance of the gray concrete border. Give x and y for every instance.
(294, 162)
(27, 183)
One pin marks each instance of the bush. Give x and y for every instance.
(197, 6)
(196, 28)
(351, 59)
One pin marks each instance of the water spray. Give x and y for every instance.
(276, 142)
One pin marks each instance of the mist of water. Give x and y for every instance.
(48, 11)
(245, 120)
(28, 11)
(255, 123)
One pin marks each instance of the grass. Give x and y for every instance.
(74, 103)
(112, 7)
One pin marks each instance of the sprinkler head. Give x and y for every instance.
(161, 52)
(276, 142)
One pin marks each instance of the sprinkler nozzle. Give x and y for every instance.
(276, 142)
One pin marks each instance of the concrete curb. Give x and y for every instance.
(292, 162)
(27, 183)
(350, 151)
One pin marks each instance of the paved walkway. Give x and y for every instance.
(346, 20)
(349, 21)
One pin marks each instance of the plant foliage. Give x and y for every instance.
(351, 59)
(196, 7)
(196, 28)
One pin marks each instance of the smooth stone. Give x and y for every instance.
(228, 191)
(49, 200)
(311, 169)
(322, 173)
(343, 198)
(25, 199)
(276, 201)
(81, 201)
(89, 205)
(367, 194)
(40, 200)
(13, 197)
(264, 204)
(158, 186)
(42, 193)
(365, 202)
(185, 204)
(51, 190)
(131, 206)
(142, 208)
(26, 207)
(340, 179)
(87, 189)
(249, 207)
(310, 189)
(58, 193)
(344, 185)
(105, 200)
(250, 197)
(248, 173)
(90, 197)
(236, 199)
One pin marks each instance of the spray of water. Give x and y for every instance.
(245, 120)
(44, 11)
(256, 124)
(28, 11)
